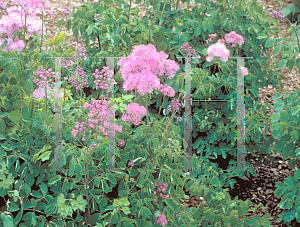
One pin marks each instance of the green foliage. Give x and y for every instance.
(290, 199)
(285, 125)
(292, 12)
(40, 194)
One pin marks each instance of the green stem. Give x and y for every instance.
(159, 109)
(46, 104)
(24, 39)
(111, 218)
(294, 31)
(21, 100)
(163, 11)
(129, 11)
(42, 31)
(149, 145)
(149, 25)
(134, 95)
(86, 192)
(32, 106)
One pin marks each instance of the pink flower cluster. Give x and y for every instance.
(104, 74)
(162, 220)
(234, 38)
(79, 83)
(162, 187)
(131, 163)
(52, 94)
(134, 113)
(212, 36)
(121, 143)
(42, 76)
(68, 10)
(99, 19)
(75, 80)
(244, 70)
(167, 90)
(15, 20)
(175, 104)
(140, 68)
(97, 113)
(2, 5)
(218, 49)
(187, 48)
(41, 81)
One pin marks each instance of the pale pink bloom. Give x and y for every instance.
(218, 49)
(244, 70)
(162, 220)
(50, 12)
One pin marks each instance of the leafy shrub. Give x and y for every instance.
(290, 201)
(124, 197)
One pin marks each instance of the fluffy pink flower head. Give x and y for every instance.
(134, 113)
(2, 5)
(32, 6)
(219, 50)
(244, 70)
(162, 220)
(140, 69)
(234, 38)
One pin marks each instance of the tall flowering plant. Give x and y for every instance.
(141, 72)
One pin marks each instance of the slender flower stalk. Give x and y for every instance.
(279, 15)
(42, 31)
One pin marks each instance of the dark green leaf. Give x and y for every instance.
(44, 188)
(54, 179)
(8, 221)
(12, 207)
(69, 24)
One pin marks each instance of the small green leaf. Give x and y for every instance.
(12, 207)
(197, 31)
(36, 194)
(270, 42)
(294, 135)
(15, 116)
(289, 182)
(59, 23)
(216, 182)
(69, 24)
(111, 178)
(5, 43)
(297, 151)
(54, 179)
(290, 63)
(295, 110)
(282, 63)
(44, 188)
(75, 32)
(297, 173)
(278, 105)
(279, 192)
(275, 117)
(8, 221)
(277, 96)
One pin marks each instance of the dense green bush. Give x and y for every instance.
(85, 192)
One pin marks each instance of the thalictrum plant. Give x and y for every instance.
(139, 72)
